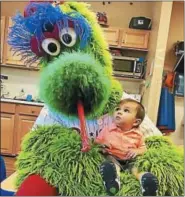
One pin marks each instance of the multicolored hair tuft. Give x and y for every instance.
(37, 16)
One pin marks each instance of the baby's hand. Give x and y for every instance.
(130, 154)
(103, 149)
(104, 146)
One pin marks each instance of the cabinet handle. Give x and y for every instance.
(123, 41)
(32, 112)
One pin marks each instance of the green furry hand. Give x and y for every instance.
(54, 152)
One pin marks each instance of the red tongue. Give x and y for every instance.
(85, 143)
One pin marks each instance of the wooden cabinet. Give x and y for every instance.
(10, 57)
(25, 124)
(127, 38)
(134, 38)
(2, 36)
(28, 110)
(7, 128)
(112, 36)
(26, 116)
(7, 132)
(8, 108)
(16, 121)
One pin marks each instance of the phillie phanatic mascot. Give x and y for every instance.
(76, 82)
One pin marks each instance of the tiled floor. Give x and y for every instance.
(10, 165)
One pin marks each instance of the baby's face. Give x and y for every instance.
(125, 115)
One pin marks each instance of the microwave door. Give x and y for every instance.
(123, 67)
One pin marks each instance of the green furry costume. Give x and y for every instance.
(85, 73)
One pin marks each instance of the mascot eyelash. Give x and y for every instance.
(41, 21)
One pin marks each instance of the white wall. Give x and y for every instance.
(21, 79)
(157, 49)
(130, 87)
(29, 81)
(120, 13)
(176, 32)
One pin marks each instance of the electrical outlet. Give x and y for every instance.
(4, 77)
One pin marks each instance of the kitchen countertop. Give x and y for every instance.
(21, 102)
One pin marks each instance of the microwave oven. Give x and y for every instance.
(132, 67)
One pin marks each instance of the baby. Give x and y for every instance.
(121, 143)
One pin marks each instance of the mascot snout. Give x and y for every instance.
(72, 77)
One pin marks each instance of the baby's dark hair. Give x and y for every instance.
(140, 108)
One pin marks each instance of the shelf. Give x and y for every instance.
(132, 49)
(129, 79)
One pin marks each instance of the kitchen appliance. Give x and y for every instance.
(140, 23)
(132, 67)
(179, 84)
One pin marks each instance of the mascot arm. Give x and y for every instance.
(35, 185)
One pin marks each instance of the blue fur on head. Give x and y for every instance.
(26, 27)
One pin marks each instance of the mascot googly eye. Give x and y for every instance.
(45, 20)
(68, 37)
(51, 35)
(51, 46)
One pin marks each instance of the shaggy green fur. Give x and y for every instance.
(72, 77)
(115, 97)
(86, 74)
(98, 45)
(54, 152)
(165, 161)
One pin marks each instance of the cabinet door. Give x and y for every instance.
(24, 125)
(2, 36)
(112, 36)
(132, 38)
(12, 58)
(7, 133)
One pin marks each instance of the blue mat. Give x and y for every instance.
(166, 113)
(3, 177)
